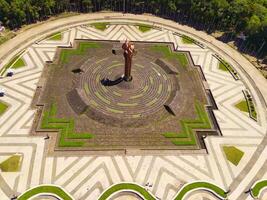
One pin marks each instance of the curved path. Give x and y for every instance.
(77, 173)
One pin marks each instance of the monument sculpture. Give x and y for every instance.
(128, 53)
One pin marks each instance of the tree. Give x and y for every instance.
(253, 25)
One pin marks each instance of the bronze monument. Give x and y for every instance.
(128, 53)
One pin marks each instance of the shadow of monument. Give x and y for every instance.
(108, 82)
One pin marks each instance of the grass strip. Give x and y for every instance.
(3, 108)
(83, 46)
(222, 67)
(258, 187)
(187, 40)
(68, 138)
(15, 63)
(187, 135)
(225, 66)
(168, 54)
(201, 185)
(126, 186)
(100, 25)
(45, 189)
(18, 64)
(243, 106)
(144, 27)
(251, 106)
(56, 36)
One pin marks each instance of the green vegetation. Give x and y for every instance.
(83, 46)
(225, 66)
(168, 54)
(67, 138)
(57, 36)
(222, 67)
(187, 40)
(15, 63)
(125, 186)
(18, 64)
(144, 27)
(100, 26)
(6, 35)
(201, 185)
(232, 17)
(233, 154)
(3, 107)
(243, 106)
(251, 106)
(128, 186)
(11, 164)
(45, 189)
(258, 187)
(187, 135)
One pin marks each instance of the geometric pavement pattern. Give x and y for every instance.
(85, 177)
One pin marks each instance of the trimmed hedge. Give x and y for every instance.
(67, 138)
(187, 135)
(255, 190)
(201, 185)
(126, 186)
(45, 189)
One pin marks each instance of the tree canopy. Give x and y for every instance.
(248, 17)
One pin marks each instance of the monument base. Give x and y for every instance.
(127, 78)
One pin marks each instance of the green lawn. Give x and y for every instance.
(233, 154)
(45, 189)
(144, 28)
(18, 64)
(15, 61)
(57, 36)
(225, 66)
(12, 164)
(168, 54)
(3, 107)
(222, 67)
(201, 185)
(100, 25)
(67, 136)
(187, 134)
(83, 46)
(187, 40)
(255, 191)
(243, 106)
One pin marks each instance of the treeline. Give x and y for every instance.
(234, 17)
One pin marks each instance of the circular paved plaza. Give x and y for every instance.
(233, 161)
(143, 97)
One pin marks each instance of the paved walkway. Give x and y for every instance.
(78, 173)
